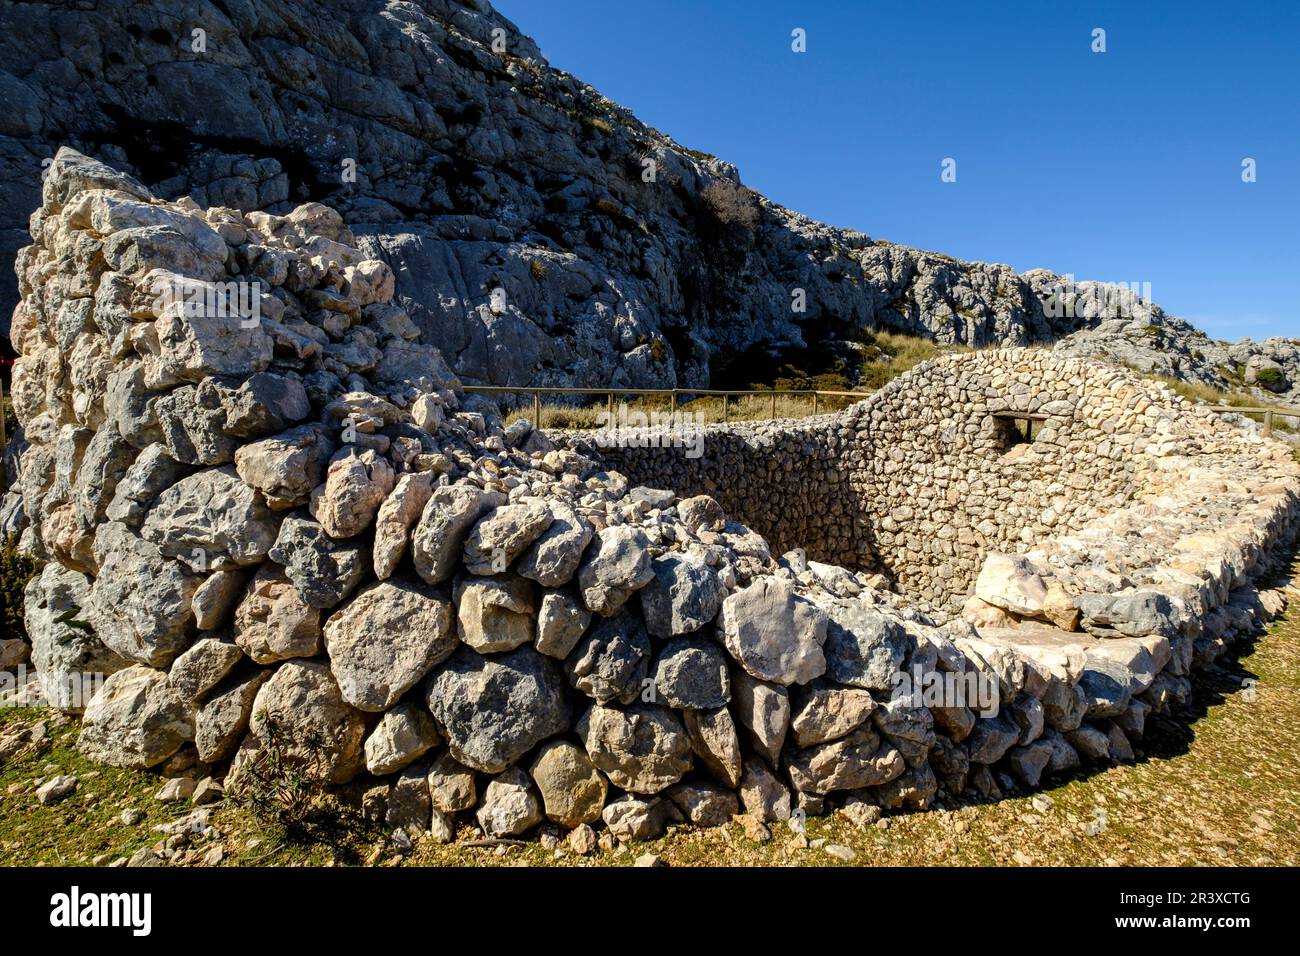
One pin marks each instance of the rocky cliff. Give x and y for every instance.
(539, 233)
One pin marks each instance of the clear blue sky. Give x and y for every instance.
(1116, 166)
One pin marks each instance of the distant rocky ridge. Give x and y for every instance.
(540, 234)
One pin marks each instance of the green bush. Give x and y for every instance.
(16, 569)
(1269, 376)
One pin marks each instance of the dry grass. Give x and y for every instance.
(706, 409)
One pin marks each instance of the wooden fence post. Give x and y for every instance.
(537, 409)
(773, 403)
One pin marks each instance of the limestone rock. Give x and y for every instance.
(714, 740)
(773, 633)
(355, 486)
(273, 622)
(397, 515)
(612, 661)
(494, 614)
(643, 749)
(211, 520)
(448, 517)
(386, 639)
(561, 622)
(684, 596)
(302, 706)
(202, 667)
(509, 807)
(493, 710)
(503, 534)
(286, 467)
(617, 564)
(136, 720)
(573, 790)
(323, 570)
(691, 672)
(553, 558)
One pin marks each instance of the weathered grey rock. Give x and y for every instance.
(617, 564)
(691, 672)
(323, 570)
(701, 511)
(561, 622)
(684, 596)
(1029, 761)
(910, 729)
(222, 720)
(704, 805)
(553, 558)
(1090, 742)
(64, 646)
(573, 790)
(153, 471)
(612, 662)
(451, 785)
(509, 806)
(286, 467)
(396, 516)
(56, 789)
(714, 740)
(1008, 581)
(136, 720)
(493, 710)
(634, 818)
(761, 794)
(859, 760)
(764, 711)
(503, 534)
(773, 633)
(386, 639)
(1105, 685)
(211, 520)
(643, 749)
(448, 517)
(408, 807)
(216, 598)
(273, 622)
(494, 614)
(992, 738)
(202, 667)
(914, 788)
(402, 736)
(140, 602)
(1134, 613)
(864, 648)
(355, 486)
(301, 704)
(825, 712)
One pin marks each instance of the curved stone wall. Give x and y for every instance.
(283, 524)
(924, 478)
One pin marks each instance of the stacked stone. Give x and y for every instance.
(289, 533)
(923, 479)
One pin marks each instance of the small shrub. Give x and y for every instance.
(537, 269)
(730, 204)
(1269, 376)
(16, 569)
(659, 350)
(285, 787)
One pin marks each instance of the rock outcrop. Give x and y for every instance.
(537, 233)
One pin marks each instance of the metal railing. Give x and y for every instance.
(1270, 414)
(673, 394)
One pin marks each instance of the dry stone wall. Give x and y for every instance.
(278, 526)
(928, 475)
